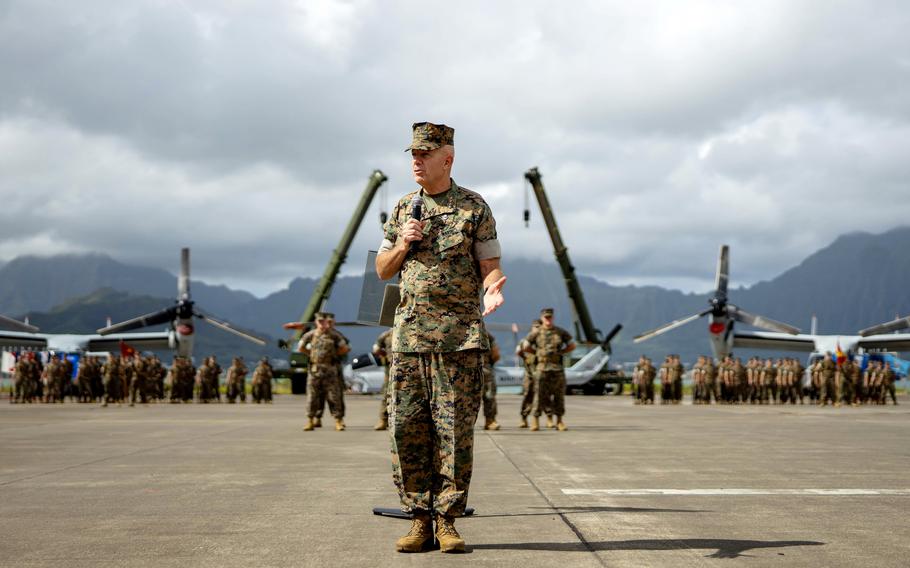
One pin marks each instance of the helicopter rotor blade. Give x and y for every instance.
(747, 318)
(667, 327)
(183, 281)
(230, 329)
(166, 315)
(722, 280)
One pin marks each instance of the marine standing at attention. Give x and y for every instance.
(549, 343)
(324, 347)
(442, 240)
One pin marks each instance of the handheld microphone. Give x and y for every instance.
(416, 207)
(416, 213)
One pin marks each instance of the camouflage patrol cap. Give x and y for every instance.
(546, 312)
(325, 316)
(429, 136)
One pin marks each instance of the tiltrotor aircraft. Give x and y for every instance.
(179, 316)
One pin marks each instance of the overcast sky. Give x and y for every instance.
(247, 130)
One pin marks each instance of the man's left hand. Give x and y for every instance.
(493, 297)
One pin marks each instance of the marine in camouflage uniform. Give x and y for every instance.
(850, 377)
(445, 260)
(22, 379)
(113, 375)
(712, 388)
(638, 381)
(382, 351)
(54, 379)
(678, 371)
(262, 382)
(827, 370)
(182, 374)
(549, 343)
(888, 389)
(527, 385)
(207, 377)
(236, 381)
(84, 379)
(137, 373)
(156, 374)
(490, 357)
(666, 383)
(339, 384)
(66, 378)
(323, 347)
(698, 381)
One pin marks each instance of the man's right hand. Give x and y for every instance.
(411, 231)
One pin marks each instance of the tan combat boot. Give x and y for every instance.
(448, 537)
(309, 425)
(560, 425)
(549, 421)
(339, 424)
(317, 422)
(523, 423)
(383, 424)
(419, 538)
(490, 424)
(535, 424)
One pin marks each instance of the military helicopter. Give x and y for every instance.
(179, 316)
(721, 318)
(26, 336)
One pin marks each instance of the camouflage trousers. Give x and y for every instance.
(384, 402)
(236, 388)
(489, 393)
(830, 390)
(113, 390)
(435, 399)
(550, 392)
(22, 390)
(527, 401)
(261, 390)
(324, 385)
(340, 395)
(138, 389)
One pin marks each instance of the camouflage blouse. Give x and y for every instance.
(440, 280)
(548, 344)
(322, 347)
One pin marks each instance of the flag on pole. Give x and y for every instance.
(126, 350)
(839, 355)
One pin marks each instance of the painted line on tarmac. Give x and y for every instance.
(734, 492)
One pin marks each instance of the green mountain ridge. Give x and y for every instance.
(858, 280)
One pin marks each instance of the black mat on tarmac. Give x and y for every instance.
(242, 485)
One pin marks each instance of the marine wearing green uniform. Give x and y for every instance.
(826, 370)
(445, 260)
(549, 343)
(235, 383)
(529, 360)
(262, 382)
(323, 347)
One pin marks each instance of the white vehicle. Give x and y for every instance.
(364, 375)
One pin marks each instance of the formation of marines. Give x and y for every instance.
(767, 381)
(134, 378)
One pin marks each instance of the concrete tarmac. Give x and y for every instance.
(242, 485)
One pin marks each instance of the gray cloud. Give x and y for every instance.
(247, 131)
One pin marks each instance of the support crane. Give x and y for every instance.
(587, 335)
(320, 295)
